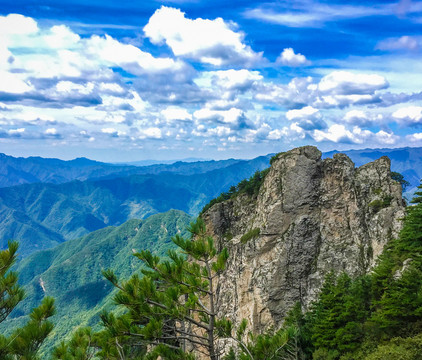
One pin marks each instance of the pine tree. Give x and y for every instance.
(171, 309)
(24, 342)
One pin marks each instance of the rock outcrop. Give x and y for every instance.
(314, 216)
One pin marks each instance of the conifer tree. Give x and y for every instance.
(172, 307)
(23, 343)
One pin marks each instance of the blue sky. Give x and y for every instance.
(121, 81)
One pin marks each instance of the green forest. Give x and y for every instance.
(168, 310)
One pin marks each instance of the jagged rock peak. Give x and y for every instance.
(310, 217)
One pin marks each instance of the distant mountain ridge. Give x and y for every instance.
(18, 171)
(42, 215)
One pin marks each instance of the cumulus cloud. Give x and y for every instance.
(362, 118)
(408, 116)
(335, 133)
(288, 133)
(176, 113)
(129, 57)
(14, 83)
(16, 24)
(113, 132)
(308, 118)
(51, 131)
(347, 83)
(289, 58)
(150, 133)
(212, 42)
(16, 132)
(218, 131)
(338, 133)
(416, 137)
(235, 118)
(235, 79)
(337, 89)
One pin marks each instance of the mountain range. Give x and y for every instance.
(98, 218)
(62, 200)
(42, 215)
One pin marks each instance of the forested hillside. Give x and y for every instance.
(71, 272)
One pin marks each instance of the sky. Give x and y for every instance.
(132, 80)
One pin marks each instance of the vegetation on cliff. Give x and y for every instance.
(376, 316)
(249, 186)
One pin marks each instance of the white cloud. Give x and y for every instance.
(150, 133)
(70, 87)
(402, 43)
(409, 116)
(16, 24)
(288, 133)
(306, 112)
(337, 133)
(312, 14)
(289, 58)
(113, 132)
(176, 113)
(235, 117)
(347, 83)
(16, 131)
(383, 137)
(341, 101)
(208, 41)
(112, 87)
(414, 137)
(337, 89)
(362, 118)
(14, 83)
(128, 57)
(51, 131)
(61, 37)
(235, 79)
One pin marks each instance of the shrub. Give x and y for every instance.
(251, 234)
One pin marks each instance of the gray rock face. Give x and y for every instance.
(314, 216)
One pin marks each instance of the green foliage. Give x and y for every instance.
(278, 345)
(80, 347)
(71, 272)
(358, 319)
(24, 342)
(338, 316)
(249, 186)
(172, 306)
(377, 205)
(251, 234)
(274, 157)
(42, 216)
(399, 349)
(400, 179)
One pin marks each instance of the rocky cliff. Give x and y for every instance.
(311, 216)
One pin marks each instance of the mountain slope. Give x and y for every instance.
(69, 210)
(71, 272)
